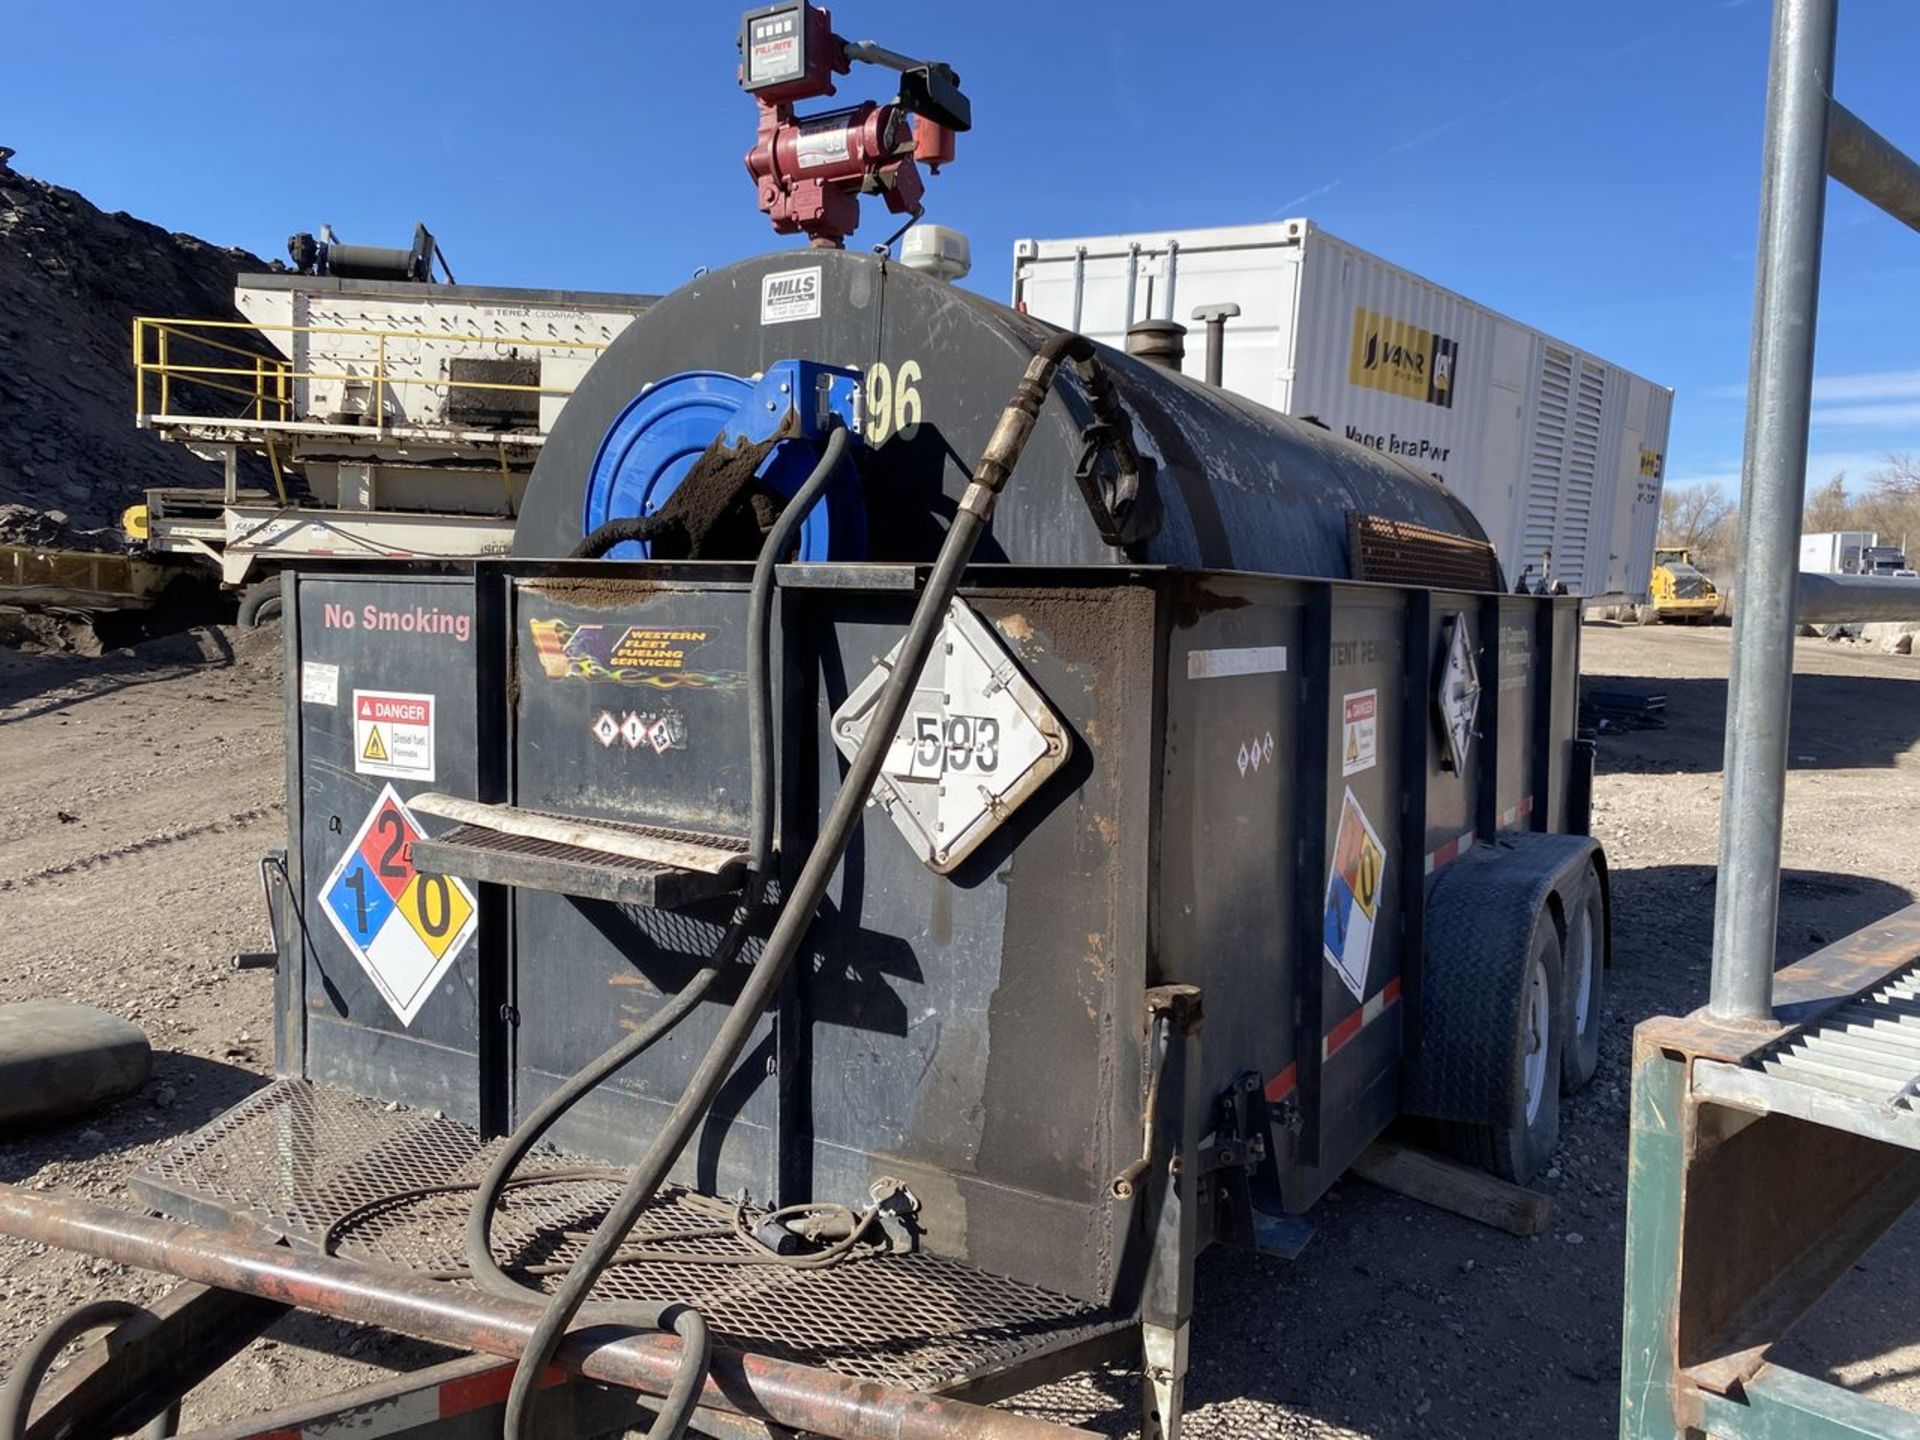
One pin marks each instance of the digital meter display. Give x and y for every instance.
(774, 47)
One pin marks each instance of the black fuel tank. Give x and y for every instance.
(1242, 487)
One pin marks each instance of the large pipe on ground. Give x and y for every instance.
(1855, 599)
(797, 1397)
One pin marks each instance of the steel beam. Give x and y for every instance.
(1866, 162)
(797, 1397)
(1779, 398)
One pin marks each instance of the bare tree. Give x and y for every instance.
(1694, 515)
(1829, 507)
(1891, 508)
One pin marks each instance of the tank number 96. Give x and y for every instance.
(955, 742)
(893, 402)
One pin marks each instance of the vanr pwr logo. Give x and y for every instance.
(1401, 359)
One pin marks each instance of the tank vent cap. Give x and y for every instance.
(936, 250)
(1158, 342)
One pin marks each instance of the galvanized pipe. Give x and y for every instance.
(1779, 397)
(1847, 599)
(795, 1396)
(1867, 163)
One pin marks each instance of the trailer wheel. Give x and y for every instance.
(260, 604)
(1585, 965)
(1518, 1147)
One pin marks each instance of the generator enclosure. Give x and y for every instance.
(1260, 784)
(1559, 454)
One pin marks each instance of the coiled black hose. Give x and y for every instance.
(30, 1365)
(797, 909)
(684, 1320)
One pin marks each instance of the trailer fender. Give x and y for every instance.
(1479, 916)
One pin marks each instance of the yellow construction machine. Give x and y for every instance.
(1679, 590)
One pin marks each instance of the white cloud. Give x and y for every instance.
(1878, 385)
(1868, 416)
(1822, 465)
(1846, 389)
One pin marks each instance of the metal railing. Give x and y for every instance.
(266, 384)
(1809, 136)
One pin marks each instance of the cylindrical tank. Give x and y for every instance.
(1242, 487)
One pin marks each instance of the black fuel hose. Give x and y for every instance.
(684, 1320)
(759, 851)
(30, 1365)
(797, 909)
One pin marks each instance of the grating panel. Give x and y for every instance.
(477, 852)
(1398, 552)
(295, 1157)
(1867, 1049)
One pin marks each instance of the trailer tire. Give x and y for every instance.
(1517, 1147)
(259, 605)
(1584, 963)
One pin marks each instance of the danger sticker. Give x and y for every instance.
(1354, 882)
(1359, 731)
(393, 734)
(790, 295)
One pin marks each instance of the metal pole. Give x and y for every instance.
(1779, 396)
(798, 1397)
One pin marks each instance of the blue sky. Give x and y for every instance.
(1587, 168)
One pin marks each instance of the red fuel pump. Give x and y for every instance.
(812, 170)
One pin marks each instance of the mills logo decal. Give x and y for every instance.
(790, 295)
(1401, 359)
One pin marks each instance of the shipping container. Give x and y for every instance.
(1559, 454)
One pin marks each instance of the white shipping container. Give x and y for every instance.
(1559, 454)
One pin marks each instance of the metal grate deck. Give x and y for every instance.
(296, 1156)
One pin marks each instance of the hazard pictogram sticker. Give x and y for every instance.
(406, 928)
(1351, 905)
(393, 734)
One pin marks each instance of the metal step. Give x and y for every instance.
(1856, 1069)
(617, 861)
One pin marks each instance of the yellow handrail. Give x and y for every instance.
(443, 335)
(265, 381)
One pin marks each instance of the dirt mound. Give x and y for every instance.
(72, 279)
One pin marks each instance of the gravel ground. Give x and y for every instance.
(140, 789)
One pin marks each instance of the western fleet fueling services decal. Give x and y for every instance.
(405, 928)
(1401, 359)
(393, 734)
(1359, 731)
(1358, 871)
(628, 654)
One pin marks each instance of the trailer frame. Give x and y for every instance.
(1773, 1132)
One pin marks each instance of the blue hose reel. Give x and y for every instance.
(656, 439)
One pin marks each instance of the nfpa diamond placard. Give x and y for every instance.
(405, 928)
